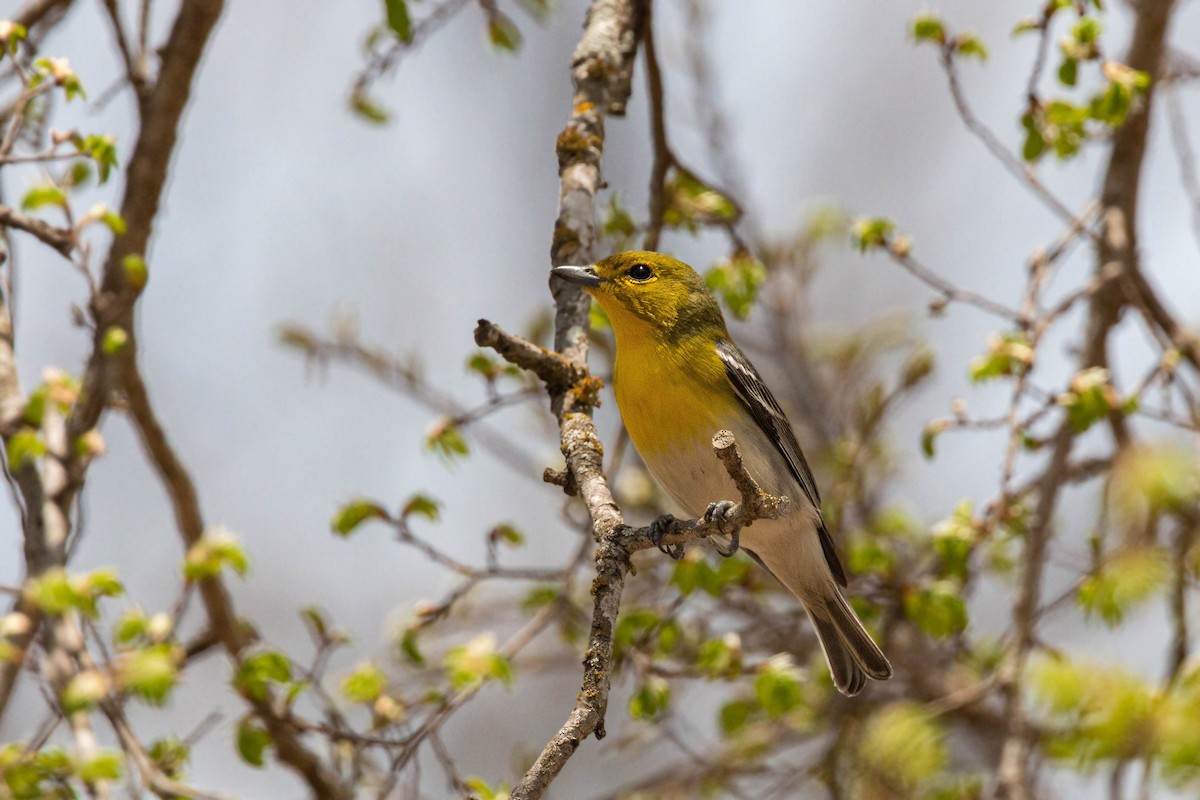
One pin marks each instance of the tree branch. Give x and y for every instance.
(223, 621)
(1117, 245)
(59, 239)
(37, 10)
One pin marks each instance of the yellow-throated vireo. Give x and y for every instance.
(678, 379)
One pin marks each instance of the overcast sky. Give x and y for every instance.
(283, 207)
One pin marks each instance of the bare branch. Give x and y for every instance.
(1018, 168)
(37, 10)
(62, 240)
(664, 159)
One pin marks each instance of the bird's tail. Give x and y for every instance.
(851, 653)
(849, 650)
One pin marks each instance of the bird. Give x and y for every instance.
(678, 378)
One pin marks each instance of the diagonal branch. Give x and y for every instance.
(59, 239)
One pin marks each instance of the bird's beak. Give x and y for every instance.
(584, 276)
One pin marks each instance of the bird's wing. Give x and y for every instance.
(761, 404)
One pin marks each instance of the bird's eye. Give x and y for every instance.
(640, 272)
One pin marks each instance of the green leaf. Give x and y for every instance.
(503, 33)
(484, 364)
(691, 203)
(928, 28)
(11, 33)
(252, 741)
(735, 715)
(508, 534)
(617, 221)
(1091, 398)
(480, 790)
(1087, 31)
(44, 195)
(869, 233)
(954, 539)
(650, 699)
(107, 765)
(131, 626)
(778, 685)
(1026, 25)
(100, 148)
(79, 173)
(116, 339)
(1007, 355)
(101, 583)
(446, 439)
(1150, 480)
(929, 435)
(150, 672)
(694, 572)
(871, 556)
(1034, 146)
(477, 661)
(24, 447)
(35, 407)
(258, 671)
(398, 20)
(355, 513)
(136, 273)
(422, 505)
(969, 45)
(1101, 713)
(217, 548)
(409, 648)
(938, 609)
(737, 281)
(113, 220)
(170, 756)
(902, 746)
(1123, 582)
(73, 88)
(56, 592)
(1068, 71)
(1058, 683)
(720, 657)
(365, 684)
(368, 109)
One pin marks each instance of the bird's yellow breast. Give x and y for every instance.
(670, 394)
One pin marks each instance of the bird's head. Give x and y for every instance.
(641, 288)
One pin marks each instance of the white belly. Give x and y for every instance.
(789, 546)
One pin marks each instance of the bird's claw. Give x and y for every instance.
(734, 545)
(718, 513)
(658, 529)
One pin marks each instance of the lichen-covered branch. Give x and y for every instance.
(558, 373)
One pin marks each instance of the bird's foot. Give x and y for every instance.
(719, 513)
(660, 528)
